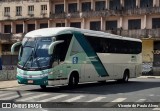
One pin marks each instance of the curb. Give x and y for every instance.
(149, 77)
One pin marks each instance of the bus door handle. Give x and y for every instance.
(68, 66)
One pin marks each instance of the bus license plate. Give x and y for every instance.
(30, 81)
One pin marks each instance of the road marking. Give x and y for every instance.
(15, 96)
(7, 94)
(156, 109)
(12, 88)
(118, 100)
(33, 97)
(96, 99)
(114, 102)
(141, 100)
(74, 99)
(53, 98)
(151, 95)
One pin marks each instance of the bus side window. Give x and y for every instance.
(63, 47)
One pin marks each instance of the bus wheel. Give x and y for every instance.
(73, 81)
(43, 86)
(125, 76)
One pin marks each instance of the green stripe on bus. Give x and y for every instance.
(91, 53)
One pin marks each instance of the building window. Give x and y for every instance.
(43, 25)
(114, 4)
(156, 56)
(95, 25)
(31, 27)
(59, 8)
(129, 4)
(9, 59)
(43, 9)
(72, 7)
(19, 28)
(31, 10)
(134, 24)
(146, 3)
(19, 11)
(100, 5)
(7, 28)
(60, 24)
(75, 24)
(86, 6)
(6, 47)
(111, 25)
(155, 23)
(6, 11)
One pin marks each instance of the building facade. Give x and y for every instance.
(131, 18)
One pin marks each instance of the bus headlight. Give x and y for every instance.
(50, 73)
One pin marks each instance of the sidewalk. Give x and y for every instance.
(14, 83)
(154, 77)
(9, 84)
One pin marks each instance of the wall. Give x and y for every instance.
(147, 56)
(147, 50)
(6, 74)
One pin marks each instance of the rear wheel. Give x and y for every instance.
(73, 81)
(43, 86)
(125, 76)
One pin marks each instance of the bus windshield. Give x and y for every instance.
(34, 53)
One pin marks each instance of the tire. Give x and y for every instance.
(43, 86)
(125, 77)
(73, 81)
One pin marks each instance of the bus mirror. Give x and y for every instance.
(51, 47)
(15, 45)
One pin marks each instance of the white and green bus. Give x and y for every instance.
(65, 55)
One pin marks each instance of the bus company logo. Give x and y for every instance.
(6, 105)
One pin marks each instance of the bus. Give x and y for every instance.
(66, 55)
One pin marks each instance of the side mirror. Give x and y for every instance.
(51, 47)
(15, 45)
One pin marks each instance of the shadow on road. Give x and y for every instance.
(110, 87)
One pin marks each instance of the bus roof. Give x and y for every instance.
(48, 32)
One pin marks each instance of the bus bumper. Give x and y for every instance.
(39, 81)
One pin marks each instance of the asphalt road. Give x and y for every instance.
(135, 91)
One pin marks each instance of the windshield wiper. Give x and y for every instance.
(31, 55)
(35, 55)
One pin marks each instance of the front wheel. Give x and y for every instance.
(43, 86)
(73, 81)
